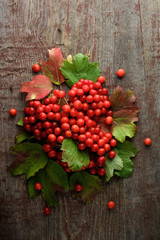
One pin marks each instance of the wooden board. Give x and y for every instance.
(118, 34)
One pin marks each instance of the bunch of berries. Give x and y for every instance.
(51, 123)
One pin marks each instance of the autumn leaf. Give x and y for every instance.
(38, 88)
(126, 150)
(90, 185)
(124, 115)
(51, 69)
(30, 158)
(79, 68)
(75, 158)
(112, 165)
(53, 178)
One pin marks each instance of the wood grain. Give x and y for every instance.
(118, 34)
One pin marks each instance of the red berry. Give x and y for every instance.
(101, 142)
(46, 101)
(77, 104)
(97, 85)
(47, 210)
(113, 142)
(78, 188)
(36, 68)
(72, 121)
(66, 108)
(95, 137)
(60, 139)
(57, 131)
(94, 147)
(56, 108)
(42, 116)
(101, 159)
(75, 128)
(47, 109)
(50, 115)
(65, 126)
(52, 138)
(89, 98)
(38, 186)
(102, 172)
(54, 125)
(65, 120)
(120, 72)
(49, 131)
(111, 205)
(82, 130)
(85, 88)
(111, 154)
(68, 134)
(56, 92)
(148, 141)
(28, 127)
(89, 123)
(101, 151)
(104, 91)
(47, 147)
(53, 99)
(72, 93)
(81, 146)
(85, 106)
(92, 171)
(52, 154)
(107, 147)
(96, 98)
(97, 112)
(101, 79)
(106, 104)
(82, 138)
(40, 109)
(62, 94)
(57, 116)
(46, 124)
(91, 164)
(90, 113)
(75, 136)
(110, 113)
(108, 135)
(89, 142)
(13, 112)
(73, 112)
(108, 120)
(25, 120)
(37, 132)
(80, 122)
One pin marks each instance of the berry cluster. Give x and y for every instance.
(51, 123)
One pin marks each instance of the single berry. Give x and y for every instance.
(38, 186)
(47, 210)
(36, 68)
(102, 172)
(111, 154)
(13, 112)
(113, 142)
(148, 141)
(78, 188)
(120, 72)
(111, 205)
(101, 79)
(108, 120)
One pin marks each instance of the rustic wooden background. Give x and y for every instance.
(119, 33)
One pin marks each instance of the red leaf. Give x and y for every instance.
(120, 100)
(52, 68)
(124, 115)
(38, 88)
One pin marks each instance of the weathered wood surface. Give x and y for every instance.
(119, 34)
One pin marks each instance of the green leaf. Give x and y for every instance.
(53, 178)
(75, 158)
(124, 114)
(112, 165)
(30, 158)
(20, 122)
(122, 130)
(126, 150)
(23, 136)
(80, 68)
(90, 185)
